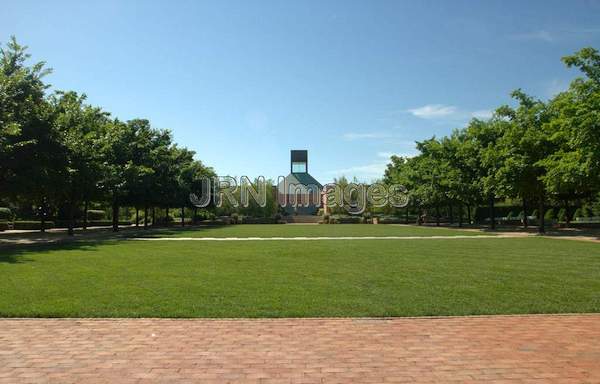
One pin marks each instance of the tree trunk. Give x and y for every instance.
(451, 211)
(85, 213)
(145, 215)
(195, 215)
(460, 214)
(406, 215)
(183, 216)
(167, 217)
(137, 217)
(525, 219)
(43, 216)
(567, 213)
(153, 215)
(115, 215)
(437, 215)
(469, 214)
(541, 219)
(492, 214)
(71, 219)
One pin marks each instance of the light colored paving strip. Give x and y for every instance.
(323, 238)
(498, 349)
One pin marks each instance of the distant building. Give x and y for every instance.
(299, 193)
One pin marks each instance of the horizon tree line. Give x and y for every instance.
(59, 153)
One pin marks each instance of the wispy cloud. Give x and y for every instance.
(433, 111)
(365, 135)
(373, 170)
(482, 114)
(448, 112)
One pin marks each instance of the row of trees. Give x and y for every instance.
(535, 152)
(57, 152)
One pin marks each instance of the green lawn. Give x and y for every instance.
(286, 230)
(301, 278)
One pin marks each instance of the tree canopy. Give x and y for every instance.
(57, 151)
(535, 151)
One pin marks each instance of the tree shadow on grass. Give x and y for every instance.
(17, 253)
(583, 233)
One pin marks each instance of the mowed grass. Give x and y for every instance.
(301, 278)
(321, 230)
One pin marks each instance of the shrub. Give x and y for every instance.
(235, 218)
(96, 214)
(578, 213)
(587, 212)
(535, 213)
(5, 214)
(482, 213)
(259, 220)
(3, 226)
(326, 219)
(549, 215)
(391, 220)
(204, 215)
(596, 206)
(510, 215)
(338, 219)
(562, 215)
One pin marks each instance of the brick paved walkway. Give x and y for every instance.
(519, 349)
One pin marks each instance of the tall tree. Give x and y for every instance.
(523, 147)
(29, 163)
(573, 170)
(481, 145)
(80, 128)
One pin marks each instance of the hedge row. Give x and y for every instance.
(91, 223)
(259, 220)
(37, 225)
(32, 225)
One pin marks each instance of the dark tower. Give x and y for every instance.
(299, 161)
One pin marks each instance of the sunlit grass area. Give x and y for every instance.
(294, 230)
(302, 278)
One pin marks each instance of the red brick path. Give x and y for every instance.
(519, 349)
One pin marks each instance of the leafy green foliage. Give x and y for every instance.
(96, 214)
(57, 151)
(6, 214)
(536, 152)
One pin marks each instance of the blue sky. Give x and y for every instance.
(243, 82)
